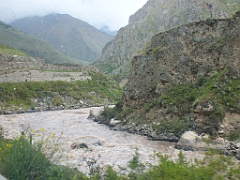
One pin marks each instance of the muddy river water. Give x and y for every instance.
(60, 129)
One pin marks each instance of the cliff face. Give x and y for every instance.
(185, 53)
(154, 17)
(188, 76)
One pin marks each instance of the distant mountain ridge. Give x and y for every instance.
(31, 45)
(154, 17)
(71, 36)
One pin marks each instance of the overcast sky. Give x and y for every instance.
(113, 13)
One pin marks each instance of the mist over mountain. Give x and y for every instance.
(108, 31)
(73, 37)
(154, 17)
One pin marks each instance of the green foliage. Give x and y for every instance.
(57, 101)
(106, 68)
(234, 135)
(124, 113)
(21, 159)
(112, 175)
(216, 167)
(115, 112)
(157, 50)
(174, 125)
(221, 90)
(211, 22)
(135, 163)
(56, 172)
(32, 46)
(8, 50)
(151, 105)
(137, 168)
(108, 113)
(95, 91)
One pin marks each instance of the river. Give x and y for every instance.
(60, 129)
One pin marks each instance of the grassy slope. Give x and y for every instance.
(30, 45)
(8, 50)
(95, 91)
(181, 102)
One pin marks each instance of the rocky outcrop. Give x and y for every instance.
(154, 17)
(48, 104)
(184, 56)
(191, 141)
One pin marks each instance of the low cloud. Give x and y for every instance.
(99, 13)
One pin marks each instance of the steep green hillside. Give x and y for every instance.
(30, 45)
(8, 50)
(154, 17)
(73, 37)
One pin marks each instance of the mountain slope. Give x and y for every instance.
(186, 79)
(31, 45)
(154, 17)
(73, 37)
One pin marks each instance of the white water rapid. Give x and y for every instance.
(104, 145)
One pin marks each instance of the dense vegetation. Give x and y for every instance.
(183, 102)
(22, 159)
(221, 91)
(99, 90)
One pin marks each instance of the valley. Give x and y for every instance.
(159, 100)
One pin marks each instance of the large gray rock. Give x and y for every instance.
(190, 140)
(220, 144)
(2, 178)
(95, 113)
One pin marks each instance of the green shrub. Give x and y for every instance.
(234, 135)
(150, 105)
(21, 160)
(8, 50)
(108, 113)
(95, 91)
(174, 125)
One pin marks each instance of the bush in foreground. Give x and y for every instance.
(20, 159)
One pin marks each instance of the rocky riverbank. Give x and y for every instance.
(47, 104)
(189, 141)
(71, 127)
